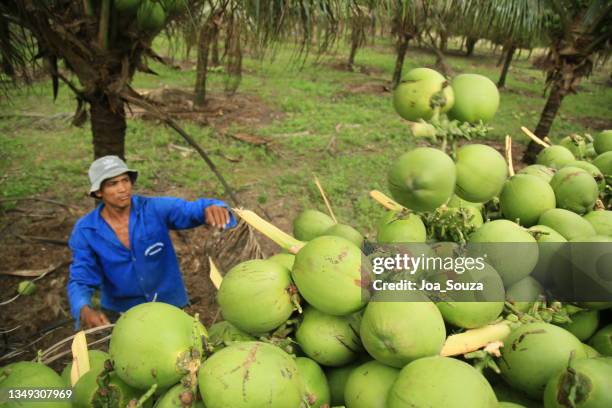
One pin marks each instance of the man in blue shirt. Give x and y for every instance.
(123, 246)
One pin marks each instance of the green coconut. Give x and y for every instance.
(26, 288)
(178, 397)
(399, 227)
(575, 144)
(127, 7)
(267, 285)
(441, 382)
(555, 156)
(481, 172)
(602, 142)
(337, 378)
(567, 223)
(458, 202)
(476, 98)
(395, 341)
(419, 91)
(510, 405)
(329, 340)
(602, 341)
(328, 274)
(524, 293)
(604, 163)
(595, 305)
(592, 170)
(224, 333)
(575, 189)
(283, 259)
(345, 231)
(471, 309)
(511, 396)
(88, 393)
(96, 364)
(583, 324)
(550, 246)
(526, 197)
(151, 16)
(601, 221)
(422, 179)
(539, 170)
(251, 374)
(495, 238)
(315, 382)
(369, 384)
(26, 374)
(590, 351)
(589, 151)
(591, 259)
(533, 353)
(310, 224)
(141, 356)
(584, 384)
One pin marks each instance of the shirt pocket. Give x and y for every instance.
(153, 248)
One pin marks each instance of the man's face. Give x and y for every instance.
(116, 191)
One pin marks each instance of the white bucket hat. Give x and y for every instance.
(107, 167)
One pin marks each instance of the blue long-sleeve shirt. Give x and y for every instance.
(148, 270)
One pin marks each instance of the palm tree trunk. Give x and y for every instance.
(470, 44)
(215, 48)
(354, 47)
(550, 111)
(546, 119)
(402, 47)
(509, 54)
(108, 127)
(202, 66)
(443, 41)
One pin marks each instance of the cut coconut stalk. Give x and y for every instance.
(214, 275)
(80, 357)
(533, 137)
(387, 201)
(509, 155)
(324, 196)
(475, 339)
(275, 234)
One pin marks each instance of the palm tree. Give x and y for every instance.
(360, 19)
(101, 43)
(512, 23)
(580, 34)
(261, 25)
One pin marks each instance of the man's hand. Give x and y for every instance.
(216, 216)
(91, 318)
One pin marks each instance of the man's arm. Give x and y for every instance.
(182, 214)
(85, 277)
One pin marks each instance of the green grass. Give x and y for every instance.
(320, 127)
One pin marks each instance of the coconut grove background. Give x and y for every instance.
(274, 92)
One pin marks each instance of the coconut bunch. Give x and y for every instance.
(444, 110)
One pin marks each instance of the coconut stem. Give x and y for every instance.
(509, 155)
(325, 200)
(386, 201)
(533, 137)
(475, 339)
(146, 396)
(280, 237)
(422, 129)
